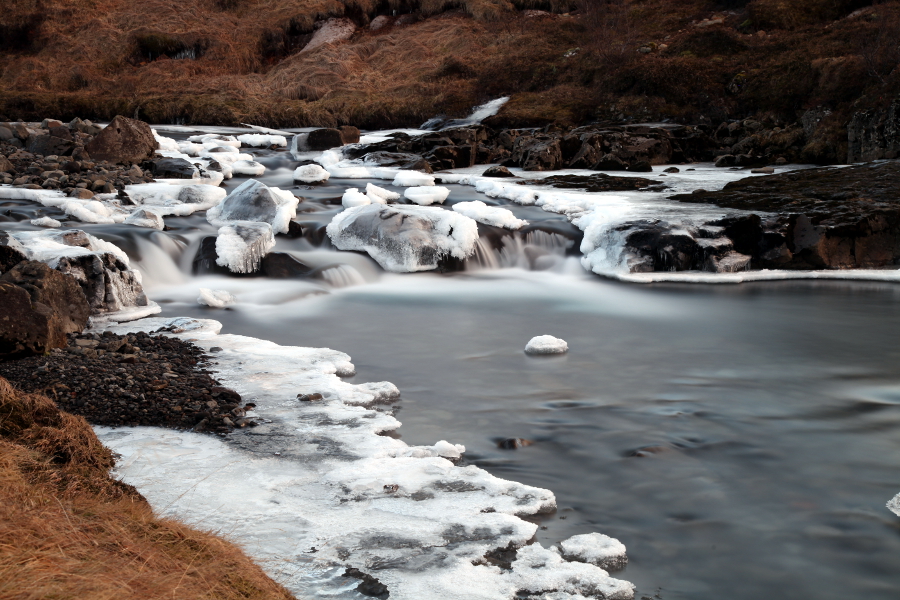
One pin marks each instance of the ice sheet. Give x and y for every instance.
(261, 140)
(316, 488)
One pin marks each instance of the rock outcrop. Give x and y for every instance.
(874, 134)
(124, 140)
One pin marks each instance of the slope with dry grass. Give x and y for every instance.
(226, 61)
(68, 530)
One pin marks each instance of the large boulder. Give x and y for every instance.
(404, 238)
(255, 201)
(26, 327)
(108, 283)
(324, 139)
(124, 140)
(50, 287)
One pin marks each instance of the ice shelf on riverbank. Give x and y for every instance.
(318, 489)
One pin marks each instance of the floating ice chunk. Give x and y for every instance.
(311, 174)
(538, 570)
(489, 215)
(260, 140)
(255, 201)
(597, 549)
(215, 298)
(894, 505)
(241, 245)
(412, 178)
(448, 450)
(404, 238)
(373, 191)
(425, 195)
(248, 167)
(546, 344)
(353, 197)
(146, 218)
(45, 222)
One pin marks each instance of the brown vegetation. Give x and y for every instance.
(68, 530)
(226, 61)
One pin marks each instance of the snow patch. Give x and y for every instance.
(261, 140)
(489, 215)
(597, 549)
(412, 179)
(426, 195)
(46, 222)
(546, 344)
(311, 174)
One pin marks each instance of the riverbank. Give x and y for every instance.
(68, 529)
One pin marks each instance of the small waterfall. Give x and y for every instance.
(535, 251)
(341, 276)
(160, 255)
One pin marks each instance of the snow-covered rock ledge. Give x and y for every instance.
(316, 490)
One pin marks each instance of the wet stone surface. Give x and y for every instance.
(132, 380)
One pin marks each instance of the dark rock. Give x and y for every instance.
(11, 252)
(727, 160)
(123, 141)
(874, 134)
(282, 265)
(324, 139)
(536, 154)
(610, 162)
(672, 170)
(497, 171)
(399, 160)
(62, 133)
(369, 585)
(601, 182)
(6, 166)
(108, 284)
(205, 259)
(641, 166)
(513, 443)
(26, 327)
(59, 292)
(173, 168)
(47, 145)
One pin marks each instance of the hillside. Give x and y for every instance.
(564, 62)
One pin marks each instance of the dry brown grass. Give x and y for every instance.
(67, 530)
(90, 58)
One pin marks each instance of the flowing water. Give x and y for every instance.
(741, 440)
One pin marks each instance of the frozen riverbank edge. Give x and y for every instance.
(316, 490)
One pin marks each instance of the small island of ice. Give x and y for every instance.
(215, 298)
(595, 548)
(546, 344)
(894, 505)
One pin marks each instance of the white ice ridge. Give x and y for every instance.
(311, 174)
(403, 238)
(425, 195)
(261, 140)
(489, 215)
(894, 505)
(546, 344)
(241, 245)
(215, 298)
(46, 222)
(317, 488)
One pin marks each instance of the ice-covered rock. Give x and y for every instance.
(255, 201)
(102, 270)
(373, 191)
(311, 174)
(404, 238)
(241, 245)
(597, 549)
(317, 480)
(546, 344)
(894, 505)
(353, 197)
(250, 168)
(426, 195)
(412, 179)
(489, 215)
(214, 139)
(144, 217)
(215, 298)
(261, 140)
(45, 222)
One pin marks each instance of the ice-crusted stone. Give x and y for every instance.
(241, 245)
(597, 549)
(317, 480)
(311, 174)
(546, 344)
(425, 195)
(101, 269)
(255, 201)
(46, 222)
(404, 238)
(489, 215)
(249, 168)
(215, 298)
(146, 218)
(261, 140)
